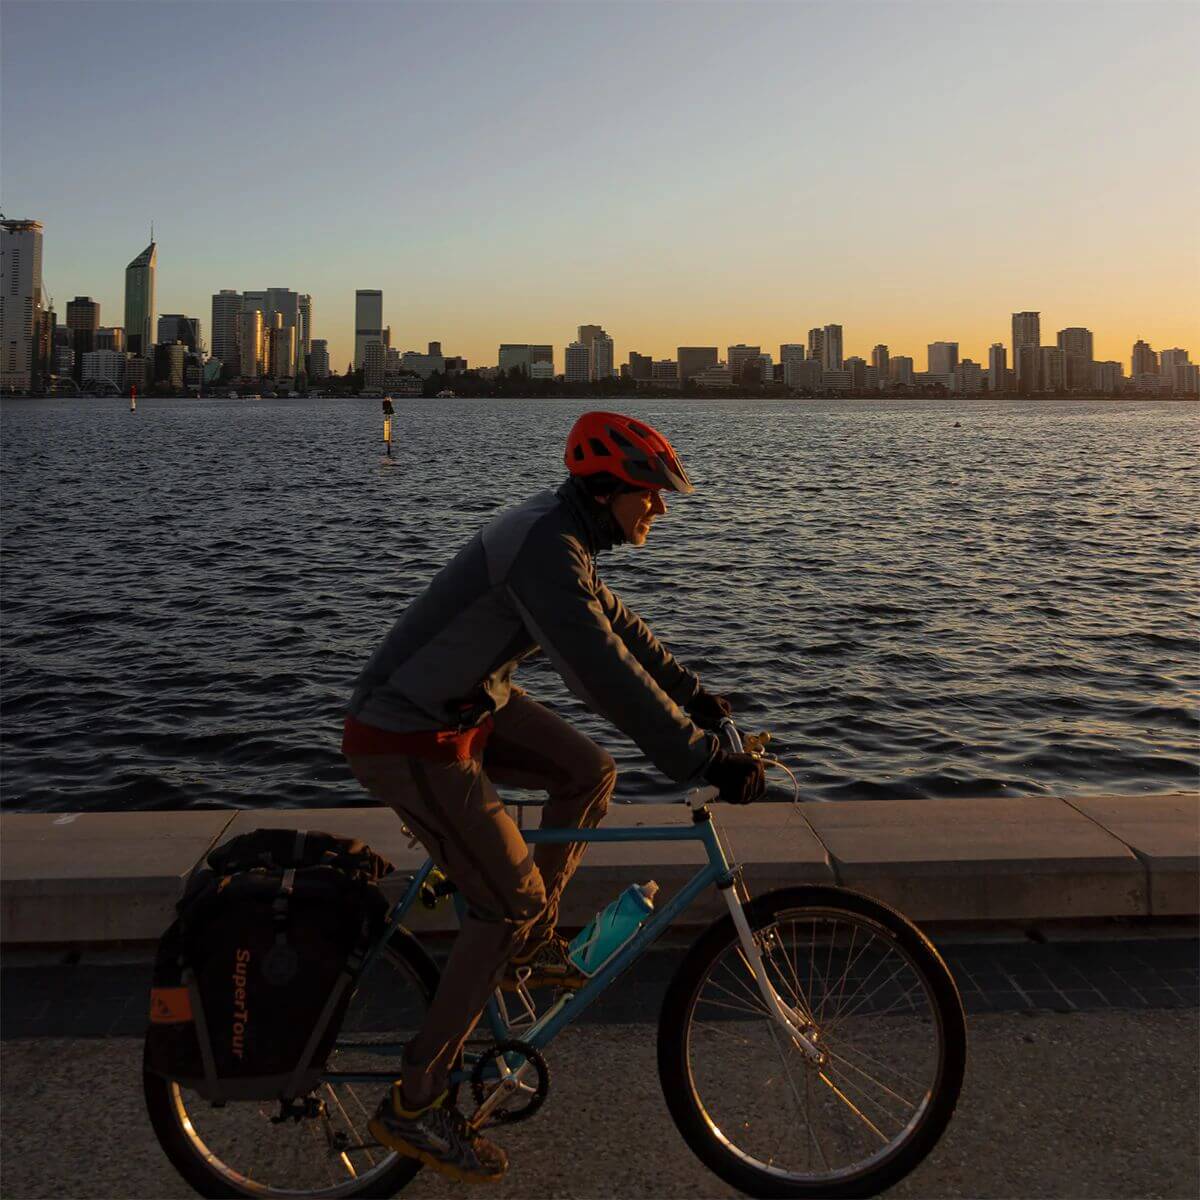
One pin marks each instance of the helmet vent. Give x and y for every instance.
(598, 447)
(618, 437)
(640, 430)
(579, 454)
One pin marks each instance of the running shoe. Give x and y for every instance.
(548, 966)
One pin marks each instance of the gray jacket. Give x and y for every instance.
(528, 580)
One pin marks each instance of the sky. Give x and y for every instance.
(680, 173)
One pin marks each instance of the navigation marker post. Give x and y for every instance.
(388, 412)
(133, 397)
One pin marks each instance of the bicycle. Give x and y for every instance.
(825, 998)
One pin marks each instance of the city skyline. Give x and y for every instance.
(704, 220)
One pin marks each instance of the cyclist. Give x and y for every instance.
(435, 722)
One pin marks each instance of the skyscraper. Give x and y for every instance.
(1052, 369)
(880, 360)
(738, 356)
(1144, 360)
(83, 324)
(694, 359)
(175, 327)
(304, 334)
(816, 344)
(600, 358)
(368, 322)
(997, 368)
(831, 348)
(140, 301)
(1076, 345)
(793, 356)
(577, 363)
(318, 359)
(226, 318)
(943, 357)
(1027, 333)
(250, 343)
(20, 302)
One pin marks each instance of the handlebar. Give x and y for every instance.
(733, 740)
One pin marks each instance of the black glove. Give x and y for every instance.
(739, 777)
(707, 709)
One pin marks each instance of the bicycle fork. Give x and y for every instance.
(783, 1015)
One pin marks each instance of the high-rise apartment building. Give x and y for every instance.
(997, 368)
(374, 365)
(104, 364)
(1107, 377)
(880, 360)
(1026, 344)
(943, 357)
(140, 301)
(600, 358)
(900, 369)
(1052, 369)
(226, 326)
(694, 359)
(175, 327)
(318, 359)
(968, 377)
(641, 366)
(304, 334)
(1076, 345)
(111, 337)
(831, 348)
(368, 322)
(577, 363)
(20, 303)
(736, 357)
(1144, 359)
(793, 356)
(281, 347)
(816, 344)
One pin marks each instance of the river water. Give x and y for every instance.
(919, 598)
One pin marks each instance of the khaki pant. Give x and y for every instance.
(512, 896)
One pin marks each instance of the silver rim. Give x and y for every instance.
(332, 1154)
(874, 1019)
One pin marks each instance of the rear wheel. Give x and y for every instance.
(323, 1147)
(880, 1006)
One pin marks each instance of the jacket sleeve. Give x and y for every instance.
(661, 665)
(554, 590)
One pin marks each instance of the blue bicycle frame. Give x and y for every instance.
(718, 871)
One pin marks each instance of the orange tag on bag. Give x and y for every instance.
(170, 1006)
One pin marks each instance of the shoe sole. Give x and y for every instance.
(428, 1159)
(569, 984)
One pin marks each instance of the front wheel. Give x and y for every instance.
(883, 1012)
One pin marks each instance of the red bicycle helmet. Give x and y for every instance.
(637, 454)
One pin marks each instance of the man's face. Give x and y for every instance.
(634, 512)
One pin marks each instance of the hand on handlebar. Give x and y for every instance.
(738, 777)
(708, 710)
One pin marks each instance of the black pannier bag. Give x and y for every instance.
(252, 980)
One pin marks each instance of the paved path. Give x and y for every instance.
(1098, 1104)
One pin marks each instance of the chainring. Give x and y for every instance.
(502, 1115)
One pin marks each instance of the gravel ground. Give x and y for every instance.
(1103, 1104)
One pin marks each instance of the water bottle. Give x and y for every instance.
(609, 930)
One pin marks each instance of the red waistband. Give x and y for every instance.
(440, 745)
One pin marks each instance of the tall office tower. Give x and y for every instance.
(694, 359)
(250, 343)
(83, 323)
(641, 366)
(304, 336)
(588, 332)
(943, 357)
(281, 347)
(175, 327)
(997, 368)
(857, 369)
(832, 348)
(1052, 369)
(816, 344)
(140, 301)
(738, 356)
(1026, 333)
(111, 337)
(1172, 366)
(577, 363)
(435, 350)
(900, 369)
(1076, 345)
(880, 360)
(1145, 361)
(318, 359)
(368, 323)
(20, 301)
(793, 356)
(226, 318)
(600, 358)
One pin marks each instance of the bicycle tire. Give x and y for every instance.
(213, 1178)
(707, 1140)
